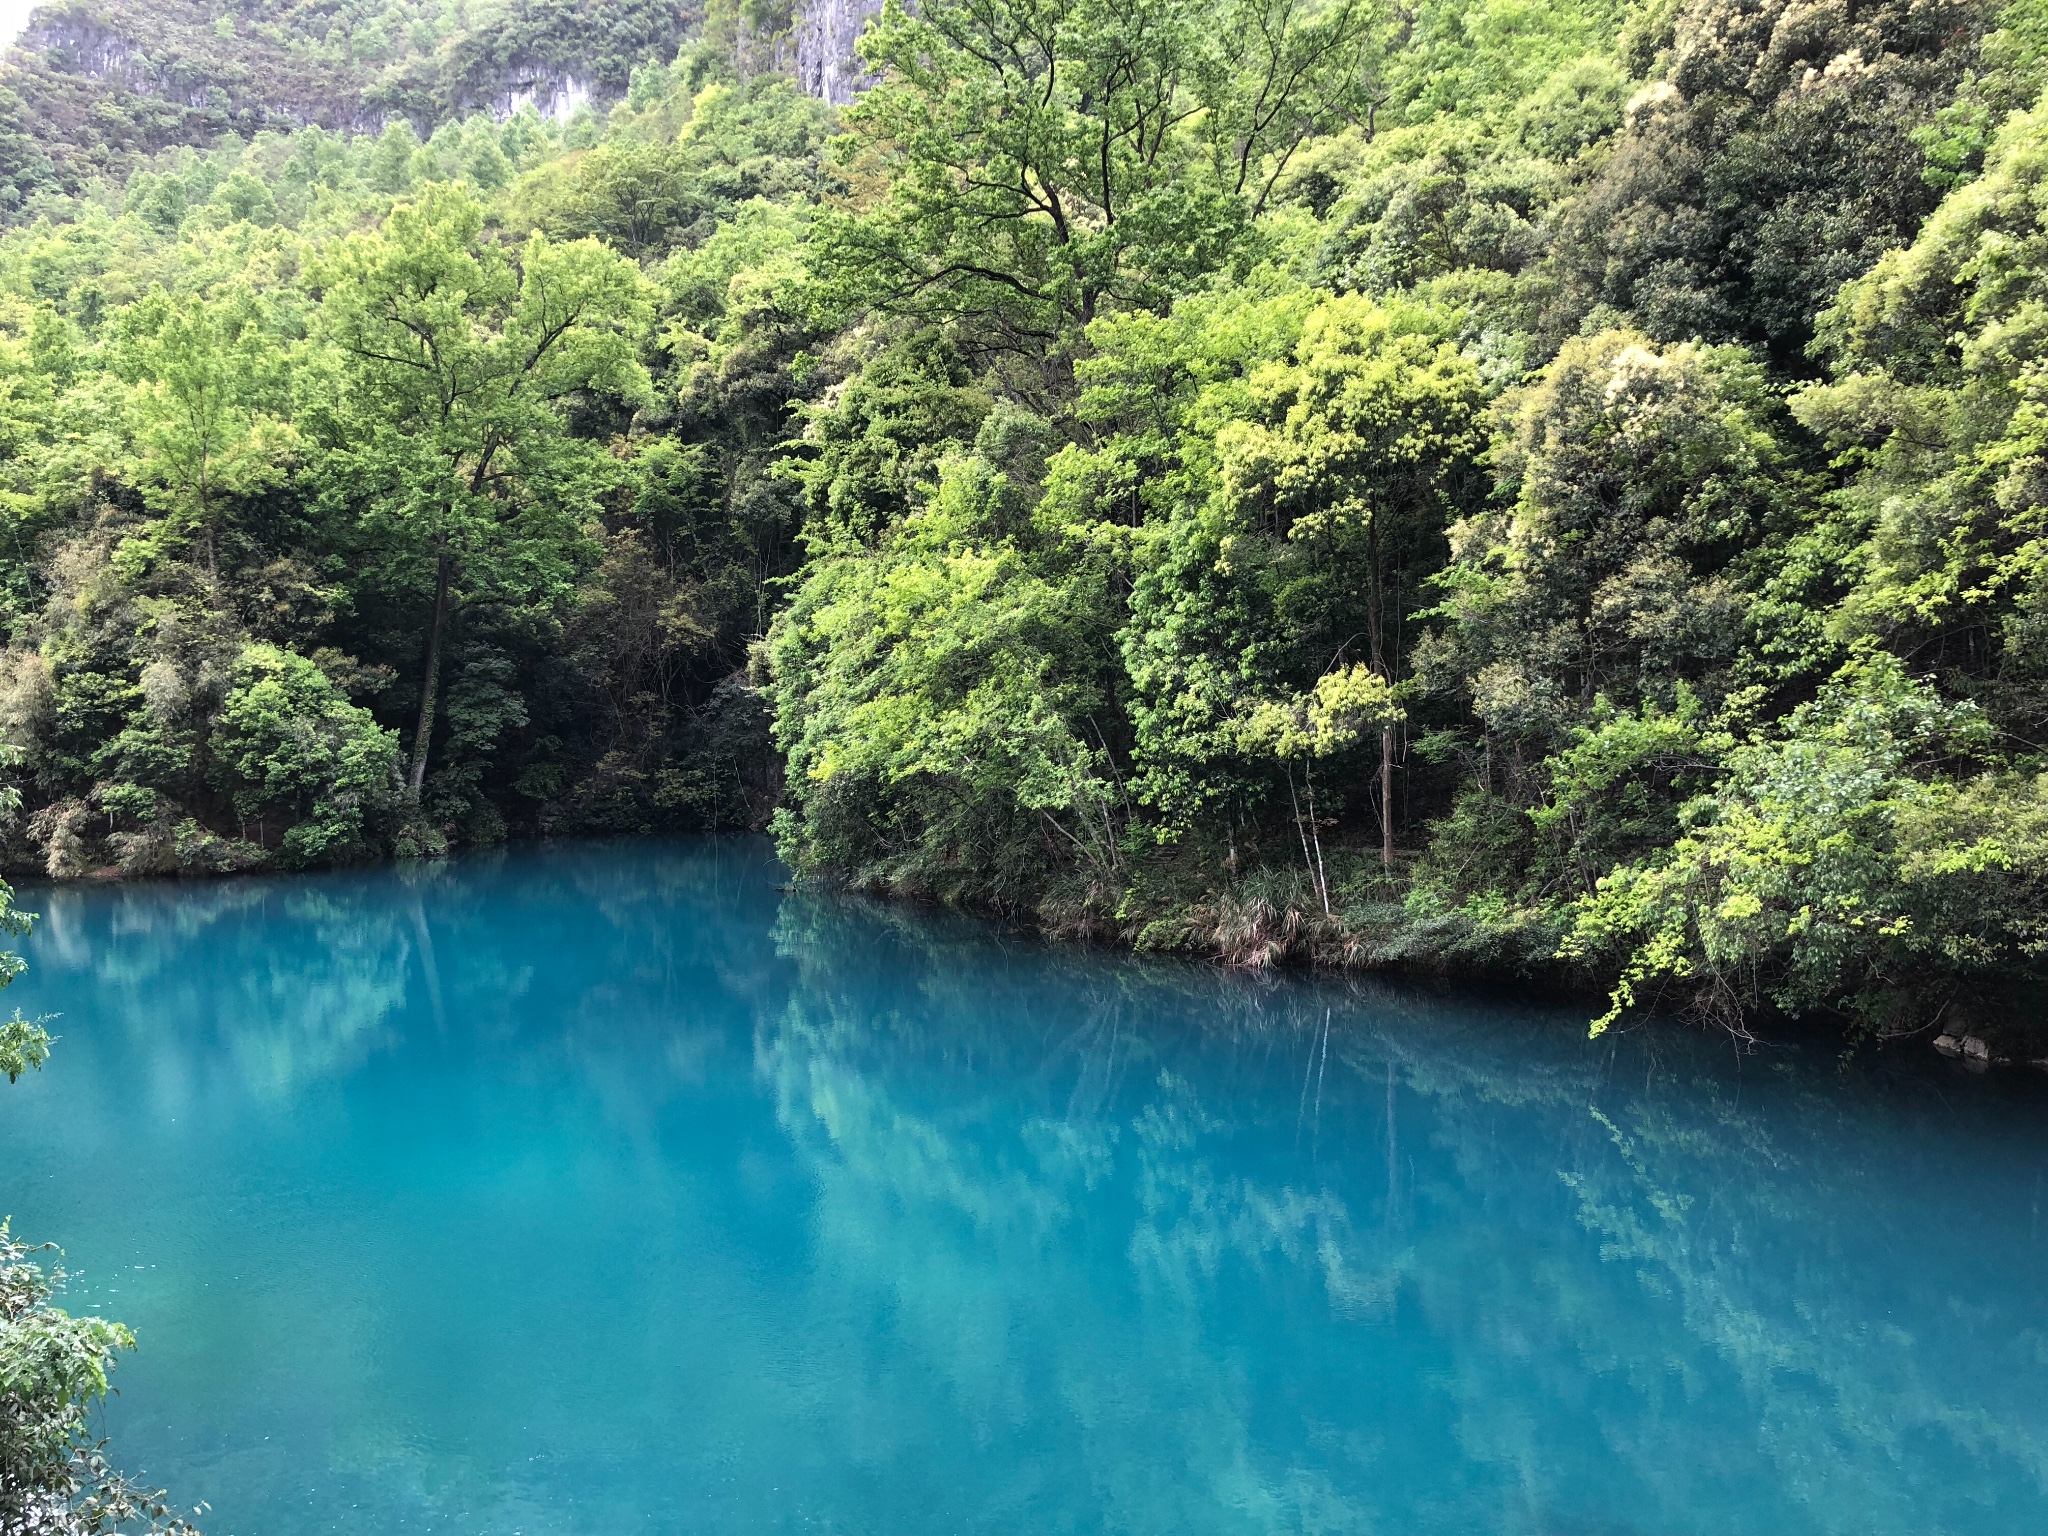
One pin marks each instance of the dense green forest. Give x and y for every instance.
(1554, 490)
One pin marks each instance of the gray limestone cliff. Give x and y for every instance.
(555, 94)
(178, 51)
(826, 65)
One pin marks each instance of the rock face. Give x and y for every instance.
(113, 60)
(826, 65)
(95, 86)
(556, 95)
(555, 56)
(80, 44)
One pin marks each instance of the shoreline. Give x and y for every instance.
(1296, 948)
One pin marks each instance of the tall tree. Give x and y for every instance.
(1045, 162)
(1291, 526)
(1348, 472)
(447, 434)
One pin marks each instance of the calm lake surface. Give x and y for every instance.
(607, 1189)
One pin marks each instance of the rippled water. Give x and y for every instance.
(607, 1189)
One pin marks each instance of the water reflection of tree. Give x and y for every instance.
(1649, 1272)
(276, 983)
(282, 983)
(598, 986)
(1777, 1214)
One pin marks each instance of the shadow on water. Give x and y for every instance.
(611, 1188)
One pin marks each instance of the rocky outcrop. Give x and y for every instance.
(1977, 1053)
(78, 44)
(826, 64)
(555, 94)
(107, 60)
(556, 60)
(93, 87)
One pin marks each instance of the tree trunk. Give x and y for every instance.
(430, 683)
(1386, 797)
(1375, 619)
(1322, 879)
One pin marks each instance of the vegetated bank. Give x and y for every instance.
(1458, 486)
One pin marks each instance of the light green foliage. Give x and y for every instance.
(24, 1047)
(1327, 720)
(391, 161)
(938, 694)
(1938, 396)
(1312, 496)
(1837, 866)
(210, 405)
(1470, 60)
(696, 151)
(2012, 69)
(1037, 165)
(876, 450)
(1324, 721)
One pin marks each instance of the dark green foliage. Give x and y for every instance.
(1774, 156)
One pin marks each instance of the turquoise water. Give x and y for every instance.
(608, 1189)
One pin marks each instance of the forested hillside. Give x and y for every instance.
(93, 86)
(1548, 489)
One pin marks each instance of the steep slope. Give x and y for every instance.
(826, 64)
(91, 84)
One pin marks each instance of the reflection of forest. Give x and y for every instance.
(1363, 1235)
(277, 983)
(888, 1202)
(193, 965)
